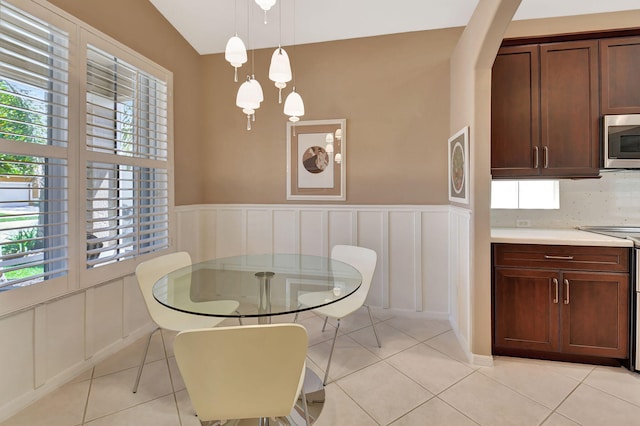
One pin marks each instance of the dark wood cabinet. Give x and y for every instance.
(560, 301)
(545, 111)
(619, 70)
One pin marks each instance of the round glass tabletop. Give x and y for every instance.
(264, 285)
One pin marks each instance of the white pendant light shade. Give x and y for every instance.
(280, 70)
(329, 148)
(265, 4)
(338, 158)
(329, 138)
(248, 98)
(339, 134)
(293, 106)
(235, 53)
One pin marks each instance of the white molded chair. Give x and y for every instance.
(252, 371)
(364, 260)
(151, 271)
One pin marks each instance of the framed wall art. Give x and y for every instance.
(316, 166)
(459, 166)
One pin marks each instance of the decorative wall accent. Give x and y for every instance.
(316, 166)
(459, 166)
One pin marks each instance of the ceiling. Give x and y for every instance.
(208, 24)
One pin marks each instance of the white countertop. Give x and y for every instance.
(566, 236)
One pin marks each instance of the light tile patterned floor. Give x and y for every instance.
(418, 377)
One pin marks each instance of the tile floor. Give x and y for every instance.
(418, 377)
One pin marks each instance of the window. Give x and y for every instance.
(99, 145)
(127, 174)
(34, 63)
(525, 194)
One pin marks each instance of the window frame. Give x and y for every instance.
(78, 277)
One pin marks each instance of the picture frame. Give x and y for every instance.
(313, 172)
(458, 161)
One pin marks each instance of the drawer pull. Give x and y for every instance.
(546, 256)
(536, 162)
(566, 283)
(555, 282)
(545, 156)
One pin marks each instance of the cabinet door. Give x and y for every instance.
(619, 82)
(515, 112)
(595, 314)
(569, 136)
(526, 314)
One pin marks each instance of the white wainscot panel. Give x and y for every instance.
(404, 285)
(229, 236)
(285, 231)
(136, 315)
(188, 230)
(341, 228)
(372, 231)
(16, 358)
(64, 334)
(459, 276)
(435, 261)
(104, 316)
(313, 232)
(207, 242)
(259, 231)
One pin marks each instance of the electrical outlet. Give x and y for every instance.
(523, 223)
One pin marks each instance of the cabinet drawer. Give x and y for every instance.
(583, 258)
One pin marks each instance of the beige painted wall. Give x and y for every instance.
(393, 91)
(139, 25)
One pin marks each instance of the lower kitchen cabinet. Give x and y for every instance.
(555, 301)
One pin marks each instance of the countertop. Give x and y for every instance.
(565, 236)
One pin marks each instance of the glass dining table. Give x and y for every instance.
(265, 286)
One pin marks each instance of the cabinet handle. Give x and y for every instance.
(555, 282)
(566, 283)
(545, 156)
(536, 162)
(546, 256)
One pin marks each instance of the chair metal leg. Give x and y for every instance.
(144, 357)
(333, 344)
(373, 324)
(305, 407)
(325, 323)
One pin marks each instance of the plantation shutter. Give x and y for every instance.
(127, 210)
(34, 110)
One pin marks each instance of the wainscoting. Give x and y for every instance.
(423, 267)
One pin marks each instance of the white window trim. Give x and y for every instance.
(78, 277)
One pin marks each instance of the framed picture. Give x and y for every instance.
(316, 162)
(459, 166)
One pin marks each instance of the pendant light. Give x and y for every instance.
(265, 5)
(235, 52)
(293, 105)
(280, 68)
(329, 141)
(249, 97)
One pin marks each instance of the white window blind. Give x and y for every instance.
(127, 169)
(34, 63)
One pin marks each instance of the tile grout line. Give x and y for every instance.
(86, 403)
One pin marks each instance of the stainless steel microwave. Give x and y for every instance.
(622, 141)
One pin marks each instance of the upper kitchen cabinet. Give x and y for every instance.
(544, 111)
(619, 67)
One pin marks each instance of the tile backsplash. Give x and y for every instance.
(614, 199)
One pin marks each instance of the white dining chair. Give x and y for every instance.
(364, 260)
(147, 273)
(241, 372)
